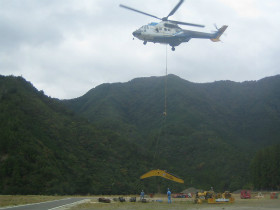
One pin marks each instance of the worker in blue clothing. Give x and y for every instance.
(142, 195)
(169, 195)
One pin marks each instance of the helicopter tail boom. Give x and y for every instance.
(219, 33)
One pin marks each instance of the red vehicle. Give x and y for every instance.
(245, 194)
(274, 195)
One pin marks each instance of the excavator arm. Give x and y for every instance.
(163, 174)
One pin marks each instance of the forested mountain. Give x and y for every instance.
(103, 141)
(266, 168)
(211, 130)
(44, 149)
(247, 110)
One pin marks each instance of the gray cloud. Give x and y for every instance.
(66, 47)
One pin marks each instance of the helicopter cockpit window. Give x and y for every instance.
(143, 28)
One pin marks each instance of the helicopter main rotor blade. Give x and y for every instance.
(175, 9)
(187, 24)
(135, 10)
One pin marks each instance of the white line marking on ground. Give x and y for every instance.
(71, 204)
(30, 204)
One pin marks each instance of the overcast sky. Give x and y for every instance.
(67, 47)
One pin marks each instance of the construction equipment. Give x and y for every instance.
(163, 174)
(201, 197)
(213, 198)
(259, 196)
(245, 194)
(274, 195)
(104, 200)
(181, 195)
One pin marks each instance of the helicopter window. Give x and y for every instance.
(171, 25)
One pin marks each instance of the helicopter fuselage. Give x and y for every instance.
(170, 33)
(163, 32)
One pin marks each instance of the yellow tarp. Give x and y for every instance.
(163, 174)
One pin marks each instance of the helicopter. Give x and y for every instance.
(168, 31)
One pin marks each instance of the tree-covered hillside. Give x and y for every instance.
(211, 130)
(44, 149)
(265, 168)
(243, 110)
(102, 142)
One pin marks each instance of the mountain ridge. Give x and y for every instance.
(104, 140)
(225, 92)
(237, 117)
(45, 149)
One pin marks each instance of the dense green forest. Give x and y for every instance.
(266, 168)
(44, 149)
(211, 131)
(103, 141)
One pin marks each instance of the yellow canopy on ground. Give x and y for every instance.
(163, 174)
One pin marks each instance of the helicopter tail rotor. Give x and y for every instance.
(215, 25)
(219, 33)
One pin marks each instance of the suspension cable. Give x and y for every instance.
(165, 85)
(163, 126)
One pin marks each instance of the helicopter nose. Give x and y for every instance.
(136, 33)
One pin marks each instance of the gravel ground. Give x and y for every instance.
(178, 204)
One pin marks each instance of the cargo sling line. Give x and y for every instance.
(158, 172)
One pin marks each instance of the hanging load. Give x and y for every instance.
(163, 174)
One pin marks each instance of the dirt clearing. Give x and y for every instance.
(160, 203)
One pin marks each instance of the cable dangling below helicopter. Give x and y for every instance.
(158, 172)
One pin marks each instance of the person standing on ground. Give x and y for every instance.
(142, 195)
(169, 195)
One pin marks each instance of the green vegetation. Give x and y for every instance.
(266, 168)
(102, 142)
(212, 130)
(44, 149)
